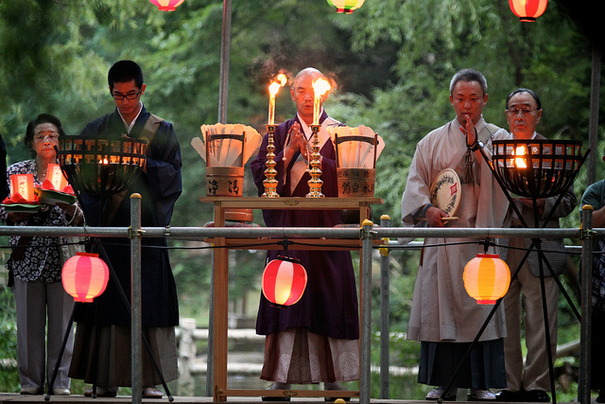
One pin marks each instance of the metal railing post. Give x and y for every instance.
(587, 235)
(385, 259)
(366, 312)
(135, 295)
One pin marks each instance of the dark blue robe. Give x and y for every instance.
(329, 305)
(159, 187)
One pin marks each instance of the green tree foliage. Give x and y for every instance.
(9, 376)
(393, 60)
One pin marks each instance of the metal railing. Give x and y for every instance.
(367, 233)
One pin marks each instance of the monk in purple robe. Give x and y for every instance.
(317, 339)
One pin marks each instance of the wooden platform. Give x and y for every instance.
(9, 398)
(76, 399)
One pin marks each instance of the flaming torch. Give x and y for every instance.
(270, 183)
(320, 87)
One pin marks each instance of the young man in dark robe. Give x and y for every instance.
(159, 186)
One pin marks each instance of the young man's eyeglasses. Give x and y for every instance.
(129, 96)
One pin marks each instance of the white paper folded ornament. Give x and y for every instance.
(356, 153)
(229, 151)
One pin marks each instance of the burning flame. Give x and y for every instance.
(320, 87)
(282, 79)
(279, 82)
(520, 161)
(274, 87)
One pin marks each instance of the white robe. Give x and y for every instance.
(442, 311)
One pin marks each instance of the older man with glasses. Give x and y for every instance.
(530, 381)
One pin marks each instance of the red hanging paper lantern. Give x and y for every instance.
(528, 10)
(85, 276)
(284, 281)
(486, 278)
(346, 6)
(167, 5)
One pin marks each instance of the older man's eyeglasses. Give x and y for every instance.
(52, 136)
(524, 109)
(129, 96)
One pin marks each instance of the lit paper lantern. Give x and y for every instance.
(85, 276)
(167, 5)
(346, 6)
(486, 278)
(22, 188)
(55, 177)
(284, 281)
(528, 10)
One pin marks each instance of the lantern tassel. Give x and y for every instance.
(285, 243)
(486, 245)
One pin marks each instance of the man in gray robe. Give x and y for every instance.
(444, 317)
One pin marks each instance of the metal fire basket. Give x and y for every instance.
(101, 166)
(537, 168)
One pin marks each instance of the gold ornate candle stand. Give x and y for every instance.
(270, 182)
(315, 182)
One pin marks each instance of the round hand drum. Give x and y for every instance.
(445, 193)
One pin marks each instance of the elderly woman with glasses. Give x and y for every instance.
(43, 307)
